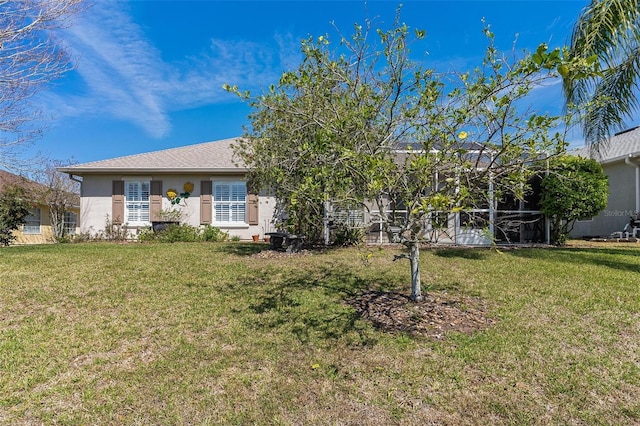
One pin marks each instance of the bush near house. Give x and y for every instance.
(184, 233)
(14, 207)
(575, 188)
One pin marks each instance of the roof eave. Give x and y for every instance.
(620, 158)
(138, 170)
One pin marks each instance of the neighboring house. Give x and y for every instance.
(620, 160)
(136, 190)
(37, 226)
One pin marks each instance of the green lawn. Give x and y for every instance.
(192, 333)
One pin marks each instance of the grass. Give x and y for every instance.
(199, 333)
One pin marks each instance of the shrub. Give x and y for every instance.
(575, 188)
(147, 234)
(346, 235)
(184, 233)
(211, 233)
(114, 231)
(13, 209)
(178, 233)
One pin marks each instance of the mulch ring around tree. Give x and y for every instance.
(434, 317)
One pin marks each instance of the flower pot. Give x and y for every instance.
(266, 239)
(256, 238)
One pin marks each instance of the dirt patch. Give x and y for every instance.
(434, 317)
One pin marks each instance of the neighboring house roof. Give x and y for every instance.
(7, 178)
(214, 156)
(32, 187)
(620, 146)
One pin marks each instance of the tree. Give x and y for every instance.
(607, 31)
(365, 124)
(14, 207)
(575, 188)
(58, 192)
(30, 58)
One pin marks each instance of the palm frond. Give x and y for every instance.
(618, 95)
(609, 29)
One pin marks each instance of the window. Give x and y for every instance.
(136, 204)
(70, 222)
(586, 219)
(32, 222)
(229, 201)
(350, 217)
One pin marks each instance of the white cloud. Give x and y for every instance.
(126, 77)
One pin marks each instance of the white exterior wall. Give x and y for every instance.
(96, 204)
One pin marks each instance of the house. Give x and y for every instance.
(197, 184)
(37, 227)
(203, 184)
(620, 160)
(494, 218)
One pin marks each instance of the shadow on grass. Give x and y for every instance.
(242, 249)
(464, 253)
(309, 304)
(614, 258)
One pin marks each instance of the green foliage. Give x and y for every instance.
(606, 33)
(348, 235)
(169, 215)
(214, 234)
(575, 188)
(184, 233)
(13, 209)
(333, 129)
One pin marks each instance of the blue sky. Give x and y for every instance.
(149, 74)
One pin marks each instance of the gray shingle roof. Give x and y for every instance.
(214, 156)
(617, 148)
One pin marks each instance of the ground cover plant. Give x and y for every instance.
(202, 333)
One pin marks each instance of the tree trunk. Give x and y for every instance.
(325, 223)
(57, 221)
(414, 259)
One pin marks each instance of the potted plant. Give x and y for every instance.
(165, 218)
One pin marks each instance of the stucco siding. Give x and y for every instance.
(97, 193)
(620, 203)
(95, 203)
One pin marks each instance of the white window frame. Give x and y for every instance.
(32, 222)
(70, 223)
(351, 217)
(137, 205)
(230, 207)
